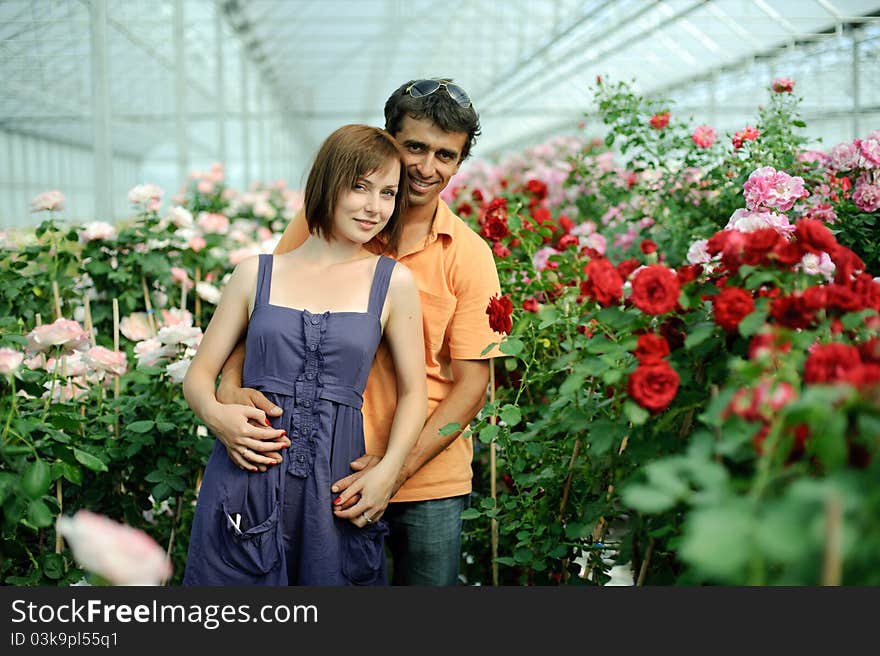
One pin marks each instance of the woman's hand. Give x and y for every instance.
(245, 431)
(371, 490)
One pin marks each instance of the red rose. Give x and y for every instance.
(464, 209)
(660, 120)
(814, 237)
(500, 250)
(603, 283)
(626, 267)
(792, 311)
(653, 386)
(655, 289)
(537, 188)
(477, 196)
(829, 363)
(816, 298)
(688, 273)
(565, 241)
(648, 246)
(843, 298)
(760, 242)
(531, 305)
(870, 350)
(731, 306)
(788, 253)
(651, 348)
(499, 311)
(868, 290)
(768, 344)
(846, 262)
(495, 228)
(565, 223)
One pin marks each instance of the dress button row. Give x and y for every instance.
(310, 376)
(313, 347)
(301, 459)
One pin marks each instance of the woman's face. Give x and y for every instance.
(363, 211)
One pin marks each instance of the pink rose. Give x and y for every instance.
(52, 201)
(703, 136)
(844, 157)
(205, 186)
(867, 197)
(783, 85)
(773, 189)
(10, 360)
(135, 326)
(176, 316)
(177, 370)
(180, 276)
(119, 553)
(64, 333)
(870, 152)
(97, 230)
(197, 243)
(180, 334)
(213, 223)
(148, 195)
(102, 358)
(745, 220)
(151, 352)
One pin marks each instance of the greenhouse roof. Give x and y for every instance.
(314, 65)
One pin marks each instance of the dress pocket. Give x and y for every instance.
(253, 549)
(363, 553)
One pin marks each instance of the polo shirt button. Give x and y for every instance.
(301, 459)
(313, 347)
(310, 376)
(316, 320)
(307, 403)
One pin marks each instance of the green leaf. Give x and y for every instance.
(36, 479)
(8, 482)
(489, 348)
(573, 383)
(717, 541)
(511, 346)
(488, 433)
(71, 472)
(699, 334)
(90, 461)
(647, 499)
(53, 565)
(511, 415)
(141, 426)
(450, 428)
(635, 413)
(470, 513)
(752, 323)
(39, 515)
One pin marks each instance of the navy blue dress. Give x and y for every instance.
(278, 527)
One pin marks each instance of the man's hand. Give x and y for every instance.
(242, 425)
(360, 466)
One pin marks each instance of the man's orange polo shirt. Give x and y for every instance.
(456, 275)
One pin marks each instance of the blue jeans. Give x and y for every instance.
(425, 540)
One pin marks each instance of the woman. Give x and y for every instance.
(314, 318)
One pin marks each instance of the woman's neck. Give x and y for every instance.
(333, 251)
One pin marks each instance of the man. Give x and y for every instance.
(436, 125)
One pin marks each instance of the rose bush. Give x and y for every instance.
(692, 385)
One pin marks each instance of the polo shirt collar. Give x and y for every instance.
(443, 220)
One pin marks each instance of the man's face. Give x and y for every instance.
(432, 157)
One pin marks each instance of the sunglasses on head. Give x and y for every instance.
(422, 88)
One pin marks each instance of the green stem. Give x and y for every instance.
(12, 410)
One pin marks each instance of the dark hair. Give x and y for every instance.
(346, 156)
(437, 107)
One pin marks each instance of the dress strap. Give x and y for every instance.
(264, 280)
(379, 289)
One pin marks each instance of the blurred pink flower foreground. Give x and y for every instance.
(119, 553)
